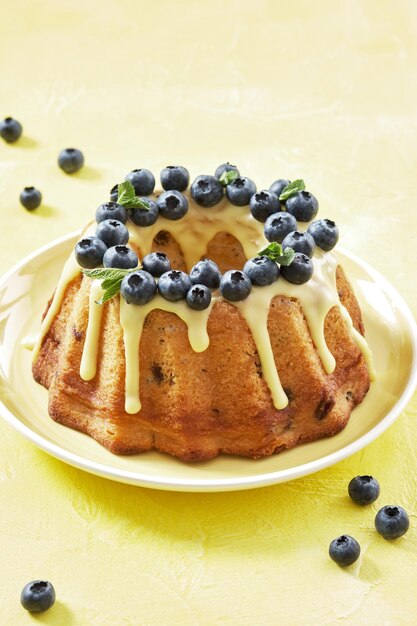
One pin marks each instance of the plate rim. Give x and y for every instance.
(228, 483)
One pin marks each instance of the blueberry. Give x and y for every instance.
(392, 522)
(175, 177)
(207, 190)
(138, 287)
(206, 272)
(172, 205)
(363, 489)
(142, 180)
(299, 242)
(300, 270)
(89, 252)
(198, 297)
(225, 167)
(37, 596)
(30, 198)
(114, 193)
(325, 233)
(261, 270)
(10, 130)
(235, 285)
(111, 211)
(303, 205)
(344, 550)
(120, 257)
(112, 232)
(279, 185)
(145, 217)
(174, 285)
(156, 263)
(279, 225)
(70, 160)
(263, 204)
(240, 191)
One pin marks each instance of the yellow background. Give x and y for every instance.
(322, 90)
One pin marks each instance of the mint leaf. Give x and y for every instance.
(111, 291)
(112, 279)
(275, 252)
(228, 177)
(291, 189)
(127, 197)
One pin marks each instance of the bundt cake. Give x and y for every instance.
(237, 332)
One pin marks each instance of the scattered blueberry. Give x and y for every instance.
(206, 272)
(145, 217)
(303, 205)
(120, 257)
(263, 204)
(112, 232)
(279, 185)
(175, 177)
(70, 160)
(142, 180)
(299, 242)
(261, 270)
(207, 190)
(279, 225)
(198, 297)
(156, 263)
(235, 285)
(363, 489)
(111, 211)
(240, 191)
(174, 285)
(37, 596)
(300, 270)
(89, 252)
(114, 193)
(392, 522)
(225, 167)
(344, 550)
(10, 130)
(138, 287)
(30, 198)
(325, 233)
(172, 205)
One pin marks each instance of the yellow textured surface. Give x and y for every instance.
(322, 90)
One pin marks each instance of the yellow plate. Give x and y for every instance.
(390, 330)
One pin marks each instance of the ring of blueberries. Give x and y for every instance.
(108, 246)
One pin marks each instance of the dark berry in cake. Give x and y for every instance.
(299, 242)
(207, 273)
(325, 233)
(172, 205)
(30, 198)
(120, 257)
(89, 252)
(175, 177)
(240, 191)
(112, 232)
(279, 225)
(156, 263)
(300, 271)
(303, 205)
(263, 204)
(235, 285)
(143, 181)
(261, 270)
(138, 287)
(174, 285)
(198, 297)
(207, 190)
(111, 211)
(70, 160)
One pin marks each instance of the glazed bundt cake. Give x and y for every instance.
(226, 325)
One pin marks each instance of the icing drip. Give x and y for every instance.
(88, 365)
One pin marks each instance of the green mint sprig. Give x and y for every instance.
(291, 189)
(112, 279)
(275, 252)
(126, 196)
(228, 177)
